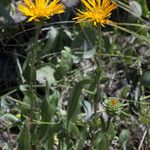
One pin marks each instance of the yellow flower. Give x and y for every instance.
(114, 102)
(97, 11)
(113, 106)
(40, 8)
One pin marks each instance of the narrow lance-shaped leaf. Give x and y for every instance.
(47, 112)
(74, 99)
(47, 109)
(24, 138)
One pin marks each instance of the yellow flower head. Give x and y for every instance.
(113, 106)
(97, 11)
(114, 102)
(40, 8)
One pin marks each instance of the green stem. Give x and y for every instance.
(32, 71)
(108, 123)
(99, 43)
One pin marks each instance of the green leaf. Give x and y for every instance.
(74, 130)
(11, 117)
(136, 8)
(48, 134)
(44, 74)
(64, 63)
(145, 79)
(107, 44)
(90, 53)
(19, 68)
(124, 137)
(52, 36)
(47, 110)
(102, 142)
(53, 43)
(74, 99)
(84, 135)
(111, 131)
(87, 108)
(145, 10)
(25, 109)
(103, 123)
(48, 144)
(125, 91)
(29, 96)
(27, 68)
(54, 98)
(24, 137)
(26, 72)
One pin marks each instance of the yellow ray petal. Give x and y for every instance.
(29, 3)
(92, 2)
(86, 4)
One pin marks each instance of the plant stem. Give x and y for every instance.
(108, 123)
(32, 71)
(98, 69)
(99, 44)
